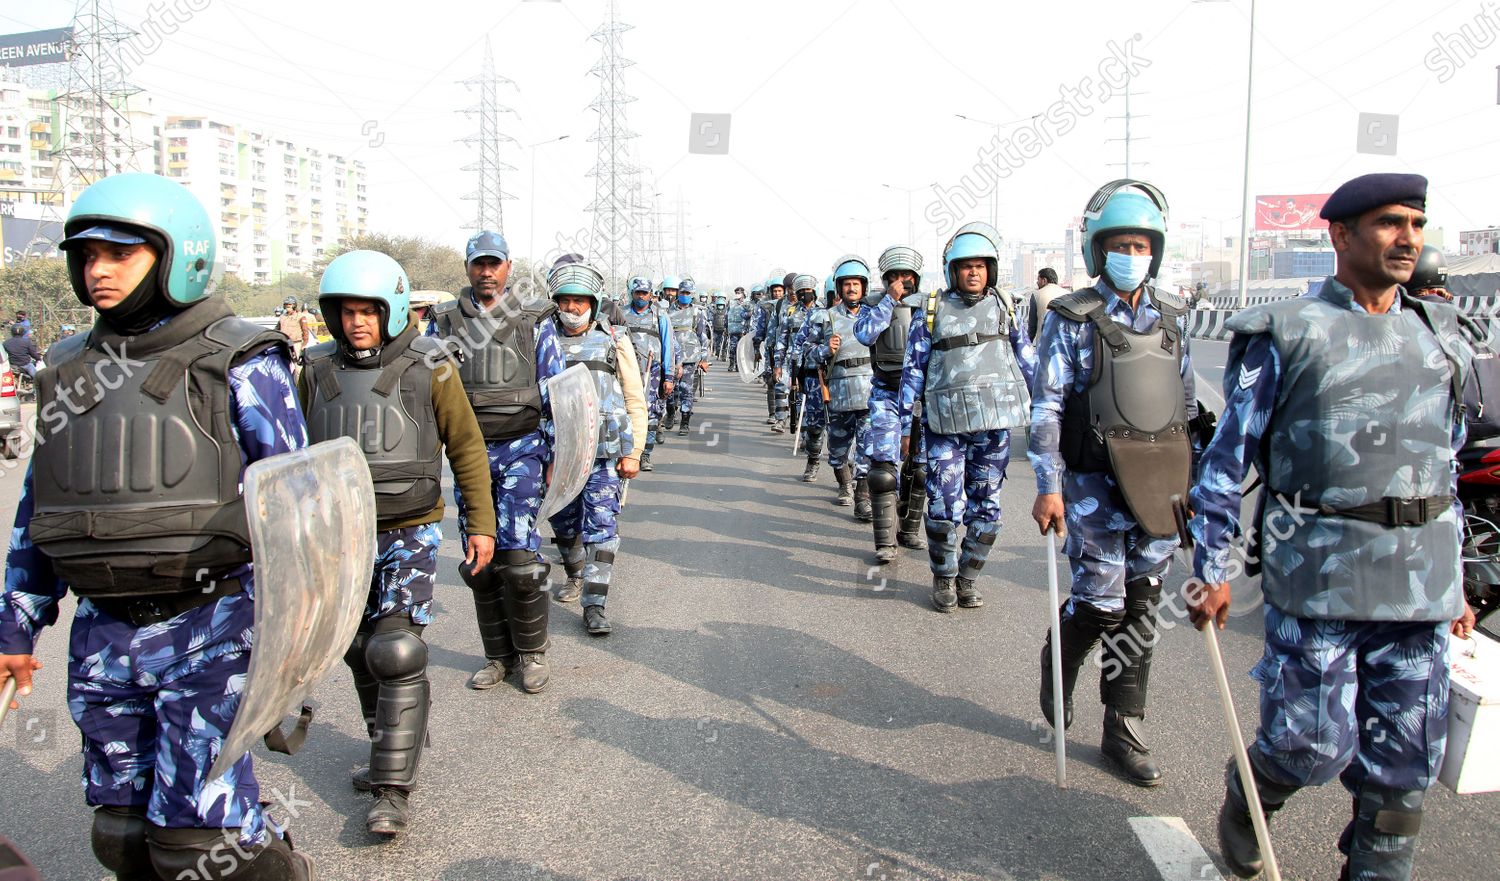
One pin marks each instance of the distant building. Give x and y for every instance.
(1479, 241)
(1302, 262)
(277, 204)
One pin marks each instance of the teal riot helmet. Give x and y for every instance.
(973, 240)
(1120, 206)
(168, 216)
(366, 275)
(828, 292)
(670, 283)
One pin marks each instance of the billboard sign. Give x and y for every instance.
(35, 47)
(1289, 213)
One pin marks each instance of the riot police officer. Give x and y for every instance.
(377, 363)
(789, 350)
(507, 352)
(884, 324)
(763, 328)
(166, 611)
(970, 364)
(720, 325)
(809, 389)
(585, 530)
(690, 340)
(847, 361)
(652, 334)
(1111, 418)
(1364, 574)
(735, 326)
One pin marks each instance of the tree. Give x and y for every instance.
(40, 286)
(429, 265)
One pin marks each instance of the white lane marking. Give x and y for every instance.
(1177, 854)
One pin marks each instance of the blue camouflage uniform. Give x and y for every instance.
(660, 370)
(802, 353)
(738, 324)
(1354, 677)
(789, 353)
(585, 528)
(153, 703)
(847, 429)
(964, 471)
(1105, 546)
(518, 466)
(682, 393)
(763, 327)
(889, 421)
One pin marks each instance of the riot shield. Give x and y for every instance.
(312, 532)
(744, 358)
(575, 432)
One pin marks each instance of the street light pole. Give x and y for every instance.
(531, 247)
(1245, 207)
(869, 226)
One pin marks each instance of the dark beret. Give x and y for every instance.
(1368, 191)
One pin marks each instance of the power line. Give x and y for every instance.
(618, 199)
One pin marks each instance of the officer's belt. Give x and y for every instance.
(962, 340)
(1389, 511)
(148, 610)
(851, 363)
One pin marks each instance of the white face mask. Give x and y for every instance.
(573, 322)
(1126, 271)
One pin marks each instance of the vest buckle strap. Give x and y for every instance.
(1392, 512)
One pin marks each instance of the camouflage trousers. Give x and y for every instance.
(1365, 698)
(405, 569)
(593, 515)
(517, 473)
(1105, 546)
(964, 475)
(811, 396)
(682, 392)
(846, 440)
(781, 393)
(154, 703)
(884, 444)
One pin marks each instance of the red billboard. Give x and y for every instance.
(1289, 213)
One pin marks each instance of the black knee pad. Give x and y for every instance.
(882, 478)
(354, 657)
(523, 572)
(1142, 596)
(481, 580)
(119, 841)
(395, 655)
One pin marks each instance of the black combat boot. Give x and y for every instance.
(1237, 840)
(682, 430)
(845, 475)
(944, 597)
(1127, 665)
(862, 510)
(494, 626)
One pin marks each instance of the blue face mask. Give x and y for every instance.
(641, 301)
(684, 299)
(1126, 271)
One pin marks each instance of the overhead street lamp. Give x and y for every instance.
(995, 190)
(531, 247)
(1246, 208)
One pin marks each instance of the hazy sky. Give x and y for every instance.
(830, 99)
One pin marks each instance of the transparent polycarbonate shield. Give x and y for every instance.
(575, 436)
(312, 531)
(744, 358)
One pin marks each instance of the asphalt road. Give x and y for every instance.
(767, 707)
